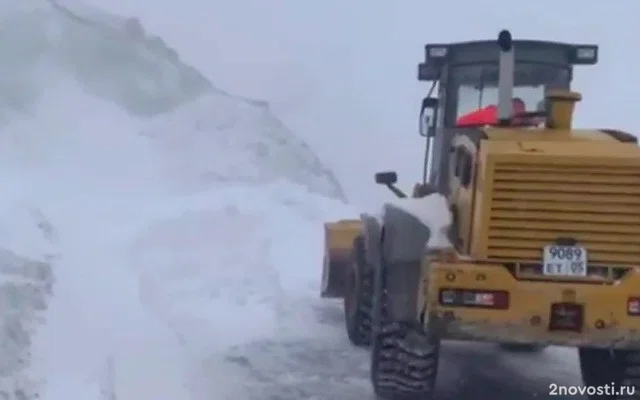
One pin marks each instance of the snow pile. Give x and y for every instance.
(26, 280)
(179, 282)
(234, 269)
(85, 140)
(236, 241)
(139, 73)
(220, 140)
(99, 337)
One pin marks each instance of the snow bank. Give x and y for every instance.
(98, 131)
(27, 255)
(231, 268)
(205, 271)
(238, 242)
(219, 140)
(51, 46)
(99, 337)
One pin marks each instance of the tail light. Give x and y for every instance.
(493, 299)
(633, 306)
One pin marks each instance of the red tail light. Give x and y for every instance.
(633, 306)
(494, 299)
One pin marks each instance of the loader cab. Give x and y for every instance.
(465, 77)
(469, 76)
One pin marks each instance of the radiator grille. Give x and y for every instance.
(533, 205)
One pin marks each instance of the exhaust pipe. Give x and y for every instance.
(506, 73)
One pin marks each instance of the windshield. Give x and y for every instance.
(477, 85)
(471, 98)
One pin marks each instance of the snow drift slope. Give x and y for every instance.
(25, 286)
(177, 290)
(238, 243)
(73, 145)
(220, 140)
(145, 78)
(236, 277)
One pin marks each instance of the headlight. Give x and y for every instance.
(437, 52)
(585, 55)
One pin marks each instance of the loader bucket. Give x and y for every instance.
(338, 241)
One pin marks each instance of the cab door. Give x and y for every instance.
(462, 190)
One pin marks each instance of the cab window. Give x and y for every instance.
(476, 85)
(456, 162)
(465, 169)
(473, 97)
(462, 166)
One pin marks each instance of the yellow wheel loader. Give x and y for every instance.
(543, 226)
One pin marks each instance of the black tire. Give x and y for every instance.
(357, 299)
(602, 367)
(404, 362)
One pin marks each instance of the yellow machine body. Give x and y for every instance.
(530, 187)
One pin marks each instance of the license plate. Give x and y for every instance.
(565, 261)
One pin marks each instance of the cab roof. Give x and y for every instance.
(565, 55)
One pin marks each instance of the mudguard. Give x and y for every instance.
(338, 242)
(372, 231)
(404, 241)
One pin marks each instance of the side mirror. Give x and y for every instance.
(428, 72)
(386, 178)
(428, 115)
(389, 179)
